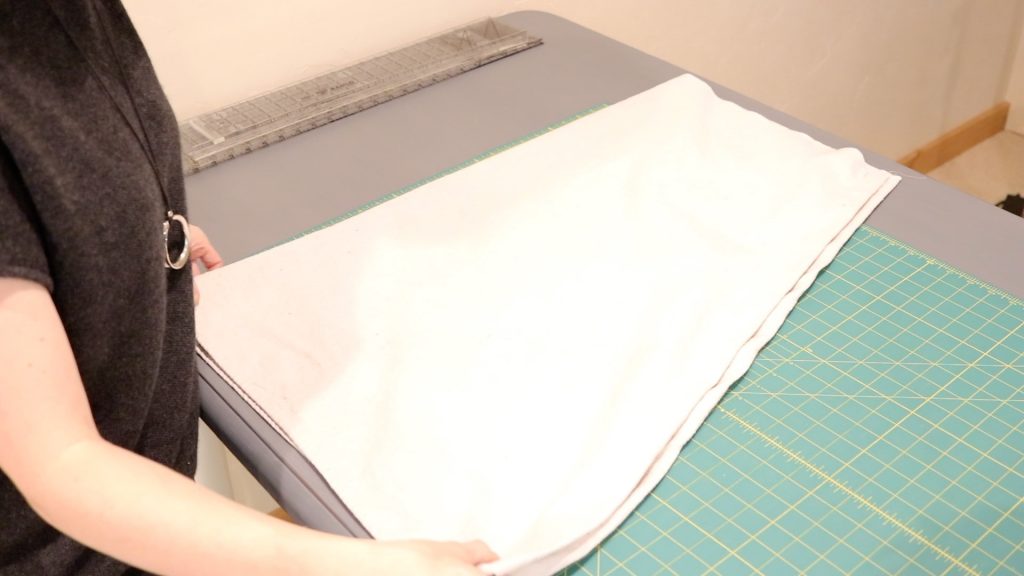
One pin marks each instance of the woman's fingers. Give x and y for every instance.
(195, 288)
(203, 250)
(476, 552)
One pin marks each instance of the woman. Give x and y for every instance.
(98, 398)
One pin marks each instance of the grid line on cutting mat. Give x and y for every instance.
(878, 432)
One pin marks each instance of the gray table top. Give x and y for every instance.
(257, 200)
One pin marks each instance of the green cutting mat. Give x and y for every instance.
(879, 432)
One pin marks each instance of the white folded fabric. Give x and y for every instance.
(517, 351)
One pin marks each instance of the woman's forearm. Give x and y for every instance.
(145, 514)
(156, 519)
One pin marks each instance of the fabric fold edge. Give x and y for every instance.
(558, 558)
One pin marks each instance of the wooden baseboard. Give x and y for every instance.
(959, 139)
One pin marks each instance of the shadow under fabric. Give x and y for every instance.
(517, 351)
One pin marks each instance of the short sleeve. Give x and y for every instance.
(22, 251)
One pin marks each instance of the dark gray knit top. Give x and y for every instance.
(81, 213)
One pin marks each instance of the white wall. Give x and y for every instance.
(890, 75)
(211, 468)
(1015, 87)
(220, 471)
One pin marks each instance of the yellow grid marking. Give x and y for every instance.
(899, 323)
(905, 452)
(842, 487)
(940, 264)
(993, 485)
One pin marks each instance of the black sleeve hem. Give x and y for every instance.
(7, 271)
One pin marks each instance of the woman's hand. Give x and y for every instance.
(434, 558)
(201, 251)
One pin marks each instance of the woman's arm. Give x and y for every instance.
(131, 508)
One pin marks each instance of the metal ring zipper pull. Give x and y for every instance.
(186, 249)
